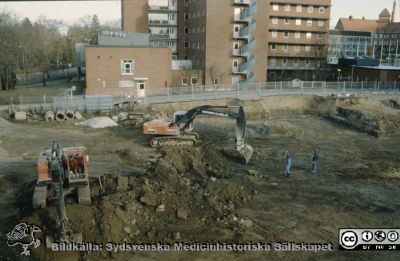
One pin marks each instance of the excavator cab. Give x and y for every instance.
(76, 165)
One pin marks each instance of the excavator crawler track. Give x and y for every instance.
(184, 140)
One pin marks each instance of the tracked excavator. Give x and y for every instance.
(179, 130)
(63, 170)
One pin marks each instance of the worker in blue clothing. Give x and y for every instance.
(288, 163)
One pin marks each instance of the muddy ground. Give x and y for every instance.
(203, 194)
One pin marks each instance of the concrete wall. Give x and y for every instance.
(103, 70)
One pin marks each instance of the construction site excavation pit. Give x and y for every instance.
(202, 195)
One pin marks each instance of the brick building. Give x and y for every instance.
(298, 38)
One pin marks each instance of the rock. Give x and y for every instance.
(149, 200)
(213, 179)
(127, 230)
(133, 221)
(150, 233)
(160, 208)
(177, 236)
(253, 172)
(20, 115)
(181, 213)
(78, 115)
(121, 214)
(246, 222)
(122, 183)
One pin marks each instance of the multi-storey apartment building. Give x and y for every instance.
(226, 39)
(157, 17)
(298, 38)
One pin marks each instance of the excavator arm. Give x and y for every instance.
(184, 121)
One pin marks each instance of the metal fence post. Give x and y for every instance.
(192, 92)
(301, 87)
(280, 88)
(324, 84)
(238, 89)
(394, 85)
(344, 86)
(362, 86)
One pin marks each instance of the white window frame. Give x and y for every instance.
(321, 23)
(321, 9)
(308, 35)
(275, 7)
(124, 69)
(284, 61)
(307, 62)
(272, 61)
(286, 34)
(310, 9)
(274, 20)
(274, 34)
(309, 22)
(286, 20)
(297, 48)
(287, 7)
(272, 46)
(299, 8)
(191, 80)
(307, 48)
(296, 62)
(297, 35)
(298, 21)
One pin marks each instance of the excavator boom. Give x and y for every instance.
(182, 124)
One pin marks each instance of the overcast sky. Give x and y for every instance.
(70, 11)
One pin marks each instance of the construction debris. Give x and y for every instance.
(20, 115)
(49, 116)
(60, 116)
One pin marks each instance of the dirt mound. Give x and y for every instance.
(281, 129)
(182, 196)
(99, 123)
(5, 124)
(364, 114)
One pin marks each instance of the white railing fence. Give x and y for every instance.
(244, 91)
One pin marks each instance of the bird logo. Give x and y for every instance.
(23, 234)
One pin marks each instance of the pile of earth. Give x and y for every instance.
(368, 115)
(188, 194)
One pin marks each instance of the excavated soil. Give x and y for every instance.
(203, 194)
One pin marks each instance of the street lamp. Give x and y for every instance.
(338, 74)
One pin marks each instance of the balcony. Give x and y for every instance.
(163, 36)
(241, 2)
(245, 32)
(246, 14)
(162, 23)
(162, 8)
(245, 49)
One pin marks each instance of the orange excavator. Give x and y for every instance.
(73, 171)
(64, 170)
(179, 130)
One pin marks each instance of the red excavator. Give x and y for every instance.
(74, 173)
(179, 130)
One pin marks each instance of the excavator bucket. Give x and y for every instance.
(245, 150)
